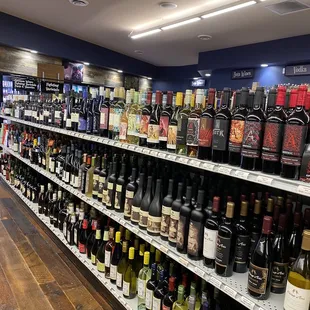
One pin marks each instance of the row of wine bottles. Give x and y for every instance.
(241, 134)
(133, 265)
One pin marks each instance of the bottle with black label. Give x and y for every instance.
(131, 189)
(221, 130)
(121, 189)
(196, 227)
(253, 134)
(136, 201)
(183, 227)
(259, 277)
(145, 204)
(280, 258)
(237, 129)
(166, 212)
(226, 242)
(295, 133)
(273, 136)
(243, 240)
(206, 128)
(210, 234)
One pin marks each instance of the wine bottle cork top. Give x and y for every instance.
(270, 205)
(216, 204)
(306, 240)
(244, 208)
(257, 206)
(230, 210)
(267, 225)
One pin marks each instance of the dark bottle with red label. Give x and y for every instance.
(295, 133)
(206, 128)
(164, 122)
(237, 129)
(145, 119)
(273, 137)
(259, 277)
(104, 108)
(271, 103)
(221, 130)
(292, 102)
(253, 134)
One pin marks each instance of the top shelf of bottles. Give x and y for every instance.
(252, 176)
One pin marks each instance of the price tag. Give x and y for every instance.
(108, 213)
(303, 190)
(117, 144)
(122, 222)
(183, 261)
(163, 249)
(131, 147)
(230, 291)
(147, 238)
(146, 151)
(135, 230)
(224, 170)
(248, 303)
(208, 166)
(172, 157)
(162, 155)
(264, 180)
(99, 140)
(153, 153)
(111, 142)
(217, 283)
(138, 149)
(194, 163)
(242, 174)
(200, 272)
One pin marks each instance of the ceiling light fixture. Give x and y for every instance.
(229, 9)
(33, 52)
(208, 74)
(139, 52)
(204, 37)
(264, 65)
(120, 71)
(86, 63)
(168, 5)
(184, 22)
(79, 2)
(144, 34)
(149, 78)
(196, 78)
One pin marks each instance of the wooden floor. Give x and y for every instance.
(36, 270)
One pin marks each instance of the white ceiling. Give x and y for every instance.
(108, 23)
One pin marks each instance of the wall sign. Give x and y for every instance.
(199, 83)
(52, 87)
(25, 84)
(242, 74)
(297, 70)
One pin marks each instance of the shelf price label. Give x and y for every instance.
(163, 249)
(303, 190)
(194, 163)
(242, 174)
(172, 157)
(224, 170)
(161, 155)
(183, 160)
(264, 180)
(248, 303)
(146, 151)
(208, 166)
(183, 261)
(200, 272)
(153, 153)
(215, 282)
(230, 291)
(131, 148)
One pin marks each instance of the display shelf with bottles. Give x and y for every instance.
(235, 286)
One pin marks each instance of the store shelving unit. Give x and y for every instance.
(235, 286)
(252, 176)
(129, 304)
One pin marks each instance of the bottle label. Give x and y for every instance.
(100, 266)
(272, 143)
(220, 134)
(68, 122)
(119, 279)
(76, 182)
(135, 214)
(109, 196)
(242, 249)
(163, 128)
(153, 224)
(111, 119)
(137, 125)
(222, 251)
(143, 218)
(82, 124)
(52, 166)
(113, 271)
(172, 137)
(153, 133)
(191, 302)
(165, 221)
(192, 131)
(156, 303)
(95, 184)
(118, 196)
(181, 132)
(296, 298)
(195, 237)
(181, 232)
(173, 227)
(236, 135)
(257, 279)
(252, 139)
(132, 122)
(104, 112)
(206, 132)
(117, 119)
(104, 196)
(144, 124)
(74, 117)
(82, 248)
(126, 288)
(100, 186)
(123, 130)
(141, 288)
(93, 259)
(148, 299)
(107, 258)
(209, 243)
(128, 203)
(279, 275)
(75, 236)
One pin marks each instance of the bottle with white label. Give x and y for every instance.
(108, 252)
(130, 277)
(143, 277)
(297, 295)
(116, 257)
(150, 288)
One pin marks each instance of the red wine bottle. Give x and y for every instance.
(259, 277)
(221, 130)
(295, 239)
(166, 212)
(226, 242)
(292, 102)
(145, 204)
(237, 129)
(294, 140)
(145, 119)
(164, 121)
(253, 134)
(274, 128)
(271, 103)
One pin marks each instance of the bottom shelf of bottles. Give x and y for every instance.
(129, 304)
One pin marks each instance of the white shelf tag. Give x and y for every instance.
(183, 160)
(224, 170)
(208, 166)
(303, 190)
(264, 180)
(135, 230)
(242, 174)
(163, 249)
(122, 222)
(172, 157)
(194, 163)
(200, 272)
(248, 303)
(230, 291)
(131, 147)
(138, 149)
(154, 153)
(183, 261)
(146, 151)
(147, 238)
(161, 155)
(217, 283)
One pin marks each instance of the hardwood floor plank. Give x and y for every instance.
(13, 230)
(7, 298)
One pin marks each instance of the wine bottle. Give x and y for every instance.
(104, 106)
(271, 103)
(131, 189)
(166, 212)
(297, 295)
(83, 237)
(210, 234)
(136, 201)
(116, 257)
(120, 189)
(145, 204)
(295, 239)
(259, 277)
(150, 288)
(110, 198)
(108, 252)
(154, 216)
(143, 277)
(226, 242)
(145, 119)
(170, 297)
(164, 120)
(118, 110)
(96, 177)
(100, 257)
(196, 227)
(293, 101)
(83, 116)
(41, 199)
(130, 277)
(159, 292)
(96, 245)
(122, 266)
(180, 303)
(91, 237)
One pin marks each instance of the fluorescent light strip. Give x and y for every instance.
(232, 8)
(144, 34)
(185, 22)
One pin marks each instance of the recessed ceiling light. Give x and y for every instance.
(120, 71)
(146, 33)
(79, 2)
(264, 65)
(139, 52)
(168, 5)
(33, 52)
(208, 74)
(196, 78)
(86, 63)
(204, 37)
(149, 78)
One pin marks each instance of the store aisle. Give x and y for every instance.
(35, 273)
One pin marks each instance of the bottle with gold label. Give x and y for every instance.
(119, 108)
(124, 119)
(90, 178)
(100, 257)
(130, 277)
(134, 119)
(102, 177)
(96, 245)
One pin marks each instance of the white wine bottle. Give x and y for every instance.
(130, 277)
(297, 295)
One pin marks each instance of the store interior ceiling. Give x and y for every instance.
(111, 23)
